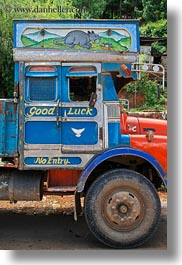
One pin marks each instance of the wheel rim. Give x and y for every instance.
(123, 210)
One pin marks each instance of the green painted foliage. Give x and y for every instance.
(103, 44)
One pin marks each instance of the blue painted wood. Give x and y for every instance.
(8, 128)
(70, 133)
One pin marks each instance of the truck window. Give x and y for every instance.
(81, 88)
(41, 84)
(82, 82)
(42, 88)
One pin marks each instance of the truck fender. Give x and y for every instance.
(115, 152)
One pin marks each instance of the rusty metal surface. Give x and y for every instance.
(18, 185)
(44, 55)
(123, 211)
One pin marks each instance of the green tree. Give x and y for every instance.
(150, 90)
(145, 10)
(156, 29)
(154, 10)
(122, 8)
(89, 9)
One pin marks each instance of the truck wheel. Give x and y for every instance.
(122, 208)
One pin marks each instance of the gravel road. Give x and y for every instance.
(49, 225)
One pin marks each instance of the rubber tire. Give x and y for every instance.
(122, 179)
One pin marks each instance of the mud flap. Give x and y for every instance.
(77, 205)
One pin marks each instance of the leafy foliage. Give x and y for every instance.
(154, 10)
(89, 9)
(159, 48)
(122, 9)
(150, 89)
(156, 29)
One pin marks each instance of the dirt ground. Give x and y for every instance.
(49, 224)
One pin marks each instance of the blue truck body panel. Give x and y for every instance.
(8, 128)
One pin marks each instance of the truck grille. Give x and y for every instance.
(113, 110)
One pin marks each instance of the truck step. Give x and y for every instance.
(60, 189)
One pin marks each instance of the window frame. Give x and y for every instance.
(81, 74)
(38, 74)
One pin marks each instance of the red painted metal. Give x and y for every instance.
(157, 147)
(145, 124)
(137, 125)
(42, 69)
(63, 177)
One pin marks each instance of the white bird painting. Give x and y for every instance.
(78, 132)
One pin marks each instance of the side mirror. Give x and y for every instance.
(93, 99)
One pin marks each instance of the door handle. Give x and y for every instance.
(57, 114)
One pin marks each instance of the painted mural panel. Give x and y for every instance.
(111, 40)
(73, 35)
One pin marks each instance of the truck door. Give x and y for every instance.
(60, 116)
(82, 108)
(42, 103)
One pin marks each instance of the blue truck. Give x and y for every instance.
(64, 131)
